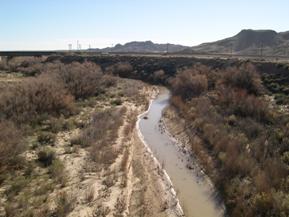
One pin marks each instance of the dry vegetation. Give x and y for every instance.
(240, 139)
(63, 131)
(69, 128)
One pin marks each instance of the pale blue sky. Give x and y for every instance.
(53, 24)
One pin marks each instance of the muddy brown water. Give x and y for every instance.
(196, 195)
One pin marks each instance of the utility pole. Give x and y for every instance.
(261, 50)
(78, 45)
(167, 48)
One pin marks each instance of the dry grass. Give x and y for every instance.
(101, 133)
(64, 204)
(89, 195)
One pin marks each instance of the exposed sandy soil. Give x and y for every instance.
(137, 186)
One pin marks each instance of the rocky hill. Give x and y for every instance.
(143, 47)
(255, 42)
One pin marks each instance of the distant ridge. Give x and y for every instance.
(143, 47)
(249, 42)
(246, 42)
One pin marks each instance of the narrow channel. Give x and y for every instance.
(195, 194)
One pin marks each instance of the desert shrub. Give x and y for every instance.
(64, 204)
(116, 102)
(46, 138)
(263, 204)
(101, 211)
(285, 157)
(281, 99)
(243, 77)
(100, 134)
(108, 81)
(240, 141)
(10, 210)
(89, 194)
(120, 206)
(189, 83)
(46, 156)
(242, 104)
(11, 143)
(57, 171)
(276, 170)
(123, 69)
(159, 76)
(281, 200)
(28, 100)
(251, 128)
(82, 80)
(3, 65)
(130, 90)
(109, 180)
(17, 185)
(103, 123)
(56, 125)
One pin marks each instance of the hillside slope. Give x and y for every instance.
(143, 47)
(255, 42)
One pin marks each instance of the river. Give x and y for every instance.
(194, 193)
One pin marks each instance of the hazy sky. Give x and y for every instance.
(53, 24)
